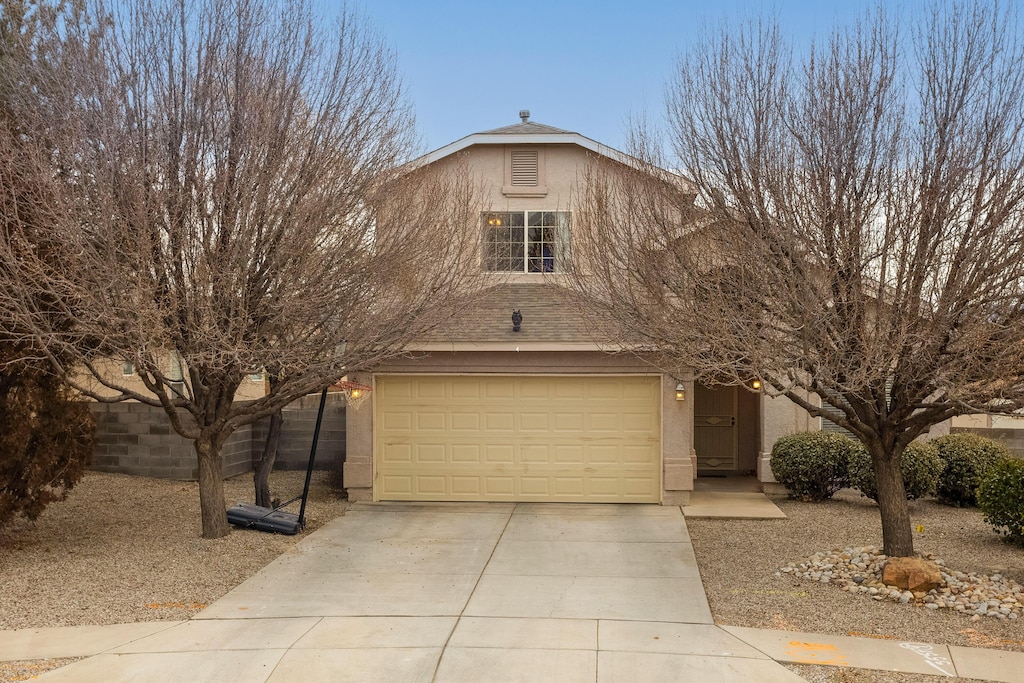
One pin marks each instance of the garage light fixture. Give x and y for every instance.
(756, 384)
(680, 391)
(517, 321)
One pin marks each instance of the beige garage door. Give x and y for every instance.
(519, 438)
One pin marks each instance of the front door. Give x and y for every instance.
(714, 428)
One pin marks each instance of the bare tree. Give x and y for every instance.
(850, 230)
(232, 198)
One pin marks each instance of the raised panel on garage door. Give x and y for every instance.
(518, 438)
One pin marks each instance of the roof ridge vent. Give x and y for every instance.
(524, 114)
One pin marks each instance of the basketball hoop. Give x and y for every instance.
(355, 393)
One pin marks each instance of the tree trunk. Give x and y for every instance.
(211, 488)
(897, 538)
(261, 477)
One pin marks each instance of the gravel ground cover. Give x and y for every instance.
(741, 561)
(124, 549)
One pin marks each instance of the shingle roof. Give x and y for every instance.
(526, 128)
(529, 133)
(548, 316)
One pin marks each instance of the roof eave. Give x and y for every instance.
(524, 139)
(532, 139)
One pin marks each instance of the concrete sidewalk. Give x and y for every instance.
(731, 505)
(465, 592)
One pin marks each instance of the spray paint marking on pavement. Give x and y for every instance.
(816, 653)
(931, 657)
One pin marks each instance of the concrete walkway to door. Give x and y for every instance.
(459, 593)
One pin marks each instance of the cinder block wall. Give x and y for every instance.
(138, 439)
(134, 438)
(297, 434)
(1013, 438)
(237, 453)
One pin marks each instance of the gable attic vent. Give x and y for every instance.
(524, 168)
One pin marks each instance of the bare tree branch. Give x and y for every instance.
(232, 196)
(855, 228)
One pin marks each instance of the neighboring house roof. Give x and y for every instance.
(550, 317)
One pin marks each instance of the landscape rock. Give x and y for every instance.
(973, 595)
(913, 574)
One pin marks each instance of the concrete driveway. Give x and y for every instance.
(459, 593)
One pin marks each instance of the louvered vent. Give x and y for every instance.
(828, 425)
(524, 168)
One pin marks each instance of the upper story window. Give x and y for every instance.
(526, 241)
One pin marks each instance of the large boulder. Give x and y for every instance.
(914, 574)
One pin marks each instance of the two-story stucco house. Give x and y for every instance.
(516, 399)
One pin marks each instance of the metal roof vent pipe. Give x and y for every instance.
(524, 114)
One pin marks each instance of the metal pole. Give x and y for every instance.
(312, 457)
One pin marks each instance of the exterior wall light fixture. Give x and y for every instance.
(680, 392)
(756, 384)
(517, 320)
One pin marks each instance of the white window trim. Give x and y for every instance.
(563, 237)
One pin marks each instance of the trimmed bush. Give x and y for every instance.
(921, 467)
(812, 465)
(968, 458)
(1001, 498)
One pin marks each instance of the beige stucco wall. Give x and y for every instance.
(357, 473)
(560, 166)
(678, 459)
(112, 372)
(761, 420)
(988, 422)
(779, 417)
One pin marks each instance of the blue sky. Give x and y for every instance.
(583, 66)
